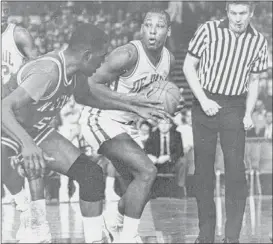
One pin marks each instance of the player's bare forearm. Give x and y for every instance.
(104, 98)
(12, 127)
(253, 92)
(9, 133)
(189, 69)
(11, 103)
(100, 95)
(95, 94)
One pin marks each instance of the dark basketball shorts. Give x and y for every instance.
(16, 147)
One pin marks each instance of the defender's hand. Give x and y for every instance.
(152, 115)
(34, 160)
(14, 161)
(21, 170)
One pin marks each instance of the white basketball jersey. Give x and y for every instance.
(144, 74)
(12, 58)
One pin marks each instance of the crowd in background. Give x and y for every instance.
(50, 24)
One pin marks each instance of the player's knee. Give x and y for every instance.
(92, 185)
(152, 171)
(90, 178)
(149, 173)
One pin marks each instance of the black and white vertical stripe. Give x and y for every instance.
(226, 60)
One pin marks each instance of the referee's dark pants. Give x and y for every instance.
(228, 123)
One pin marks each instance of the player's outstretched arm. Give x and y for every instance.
(25, 42)
(10, 125)
(34, 163)
(117, 63)
(32, 88)
(101, 96)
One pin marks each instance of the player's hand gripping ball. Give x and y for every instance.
(166, 92)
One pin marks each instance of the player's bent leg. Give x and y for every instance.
(98, 131)
(90, 178)
(124, 149)
(70, 161)
(15, 184)
(113, 220)
(123, 183)
(10, 177)
(110, 194)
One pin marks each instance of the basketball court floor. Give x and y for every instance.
(165, 220)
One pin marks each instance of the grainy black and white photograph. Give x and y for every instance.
(136, 122)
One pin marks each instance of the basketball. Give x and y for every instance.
(165, 91)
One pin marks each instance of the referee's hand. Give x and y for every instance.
(210, 107)
(248, 122)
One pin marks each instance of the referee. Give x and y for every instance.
(224, 61)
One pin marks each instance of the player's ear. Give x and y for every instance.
(169, 31)
(87, 55)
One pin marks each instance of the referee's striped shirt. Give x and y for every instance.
(226, 60)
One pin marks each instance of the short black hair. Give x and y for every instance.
(159, 11)
(251, 4)
(87, 36)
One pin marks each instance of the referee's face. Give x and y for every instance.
(154, 31)
(239, 16)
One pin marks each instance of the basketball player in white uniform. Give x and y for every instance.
(17, 47)
(132, 67)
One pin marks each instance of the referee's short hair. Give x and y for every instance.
(251, 4)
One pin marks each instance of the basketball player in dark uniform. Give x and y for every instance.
(32, 100)
(17, 47)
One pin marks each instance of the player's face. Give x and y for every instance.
(155, 31)
(239, 16)
(94, 61)
(5, 14)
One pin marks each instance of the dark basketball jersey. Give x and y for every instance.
(37, 117)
